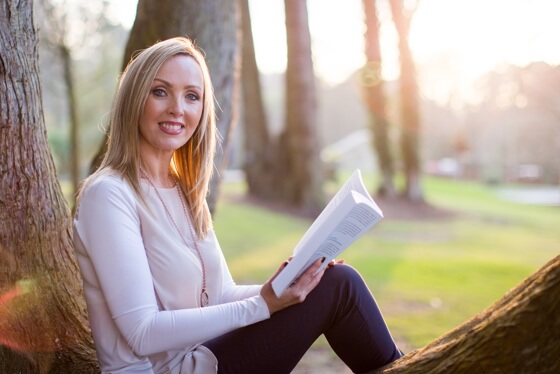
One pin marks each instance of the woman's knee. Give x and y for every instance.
(342, 273)
(344, 278)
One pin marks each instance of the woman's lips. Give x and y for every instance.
(172, 128)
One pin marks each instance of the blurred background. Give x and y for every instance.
(487, 79)
(450, 108)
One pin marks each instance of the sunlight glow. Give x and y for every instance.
(453, 41)
(269, 35)
(123, 11)
(459, 41)
(337, 38)
(7, 298)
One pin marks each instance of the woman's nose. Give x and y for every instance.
(176, 107)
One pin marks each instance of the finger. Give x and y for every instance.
(312, 281)
(313, 275)
(280, 268)
(335, 262)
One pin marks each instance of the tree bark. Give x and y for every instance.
(299, 147)
(42, 310)
(374, 96)
(410, 116)
(214, 26)
(73, 116)
(286, 168)
(520, 333)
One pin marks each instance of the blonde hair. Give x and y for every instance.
(192, 164)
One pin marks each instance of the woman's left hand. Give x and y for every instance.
(296, 292)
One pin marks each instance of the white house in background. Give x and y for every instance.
(350, 152)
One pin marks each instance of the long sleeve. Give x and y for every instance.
(234, 292)
(119, 268)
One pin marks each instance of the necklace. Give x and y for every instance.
(204, 299)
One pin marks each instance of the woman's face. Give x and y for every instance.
(173, 108)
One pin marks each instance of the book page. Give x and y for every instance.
(348, 215)
(353, 183)
(360, 219)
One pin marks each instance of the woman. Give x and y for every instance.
(159, 293)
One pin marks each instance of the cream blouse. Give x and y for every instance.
(142, 285)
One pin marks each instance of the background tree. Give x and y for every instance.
(42, 313)
(65, 27)
(43, 321)
(259, 147)
(299, 145)
(374, 97)
(409, 104)
(286, 168)
(214, 26)
(516, 124)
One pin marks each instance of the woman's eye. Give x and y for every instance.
(158, 92)
(192, 96)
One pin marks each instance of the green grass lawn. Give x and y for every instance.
(427, 276)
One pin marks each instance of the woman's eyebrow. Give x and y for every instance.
(169, 84)
(162, 81)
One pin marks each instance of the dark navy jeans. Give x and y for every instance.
(341, 307)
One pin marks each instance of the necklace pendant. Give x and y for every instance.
(204, 300)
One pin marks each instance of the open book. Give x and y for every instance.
(349, 214)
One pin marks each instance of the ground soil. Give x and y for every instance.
(321, 360)
(393, 208)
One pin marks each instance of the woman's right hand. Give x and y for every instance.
(296, 292)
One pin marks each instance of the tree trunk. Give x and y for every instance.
(520, 333)
(374, 95)
(73, 116)
(214, 26)
(56, 27)
(287, 168)
(303, 174)
(260, 151)
(42, 310)
(410, 116)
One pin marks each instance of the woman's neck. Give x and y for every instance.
(158, 173)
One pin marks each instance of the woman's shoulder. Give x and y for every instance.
(106, 188)
(105, 192)
(105, 182)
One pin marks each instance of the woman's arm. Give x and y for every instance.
(230, 290)
(110, 229)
